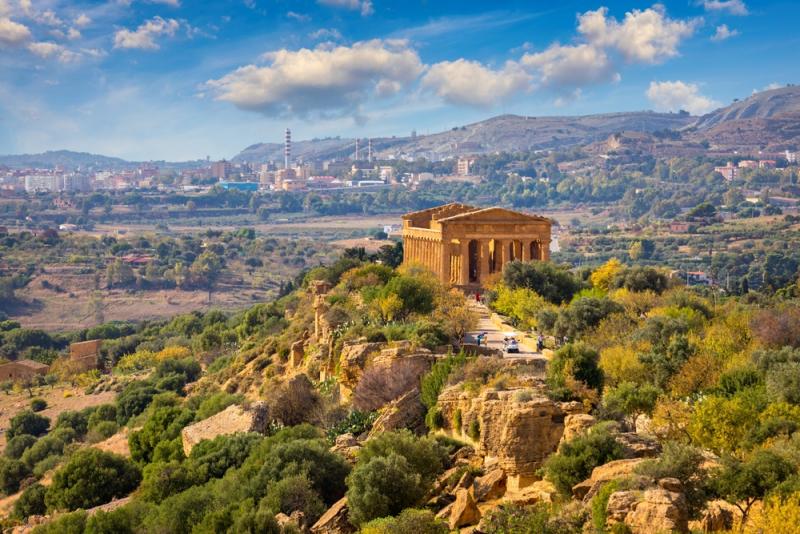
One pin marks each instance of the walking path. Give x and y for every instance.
(495, 331)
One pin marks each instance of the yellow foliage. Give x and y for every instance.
(777, 516)
(138, 361)
(602, 276)
(700, 372)
(87, 378)
(616, 329)
(636, 303)
(621, 364)
(521, 304)
(390, 306)
(671, 419)
(723, 424)
(728, 336)
(173, 353)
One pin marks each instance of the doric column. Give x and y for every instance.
(463, 278)
(526, 250)
(544, 251)
(501, 253)
(483, 269)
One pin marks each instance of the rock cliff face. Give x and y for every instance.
(229, 421)
(515, 435)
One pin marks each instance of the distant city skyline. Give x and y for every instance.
(175, 80)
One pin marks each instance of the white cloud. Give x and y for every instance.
(49, 18)
(144, 37)
(678, 95)
(173, 3)
(82, 20)
(734, 7)
(5, 9)
(321, 81)
(470, 83)
(13, 33)
(73, 34)
(571, 66)
(365, 6)
(646, 36)
(326, 33)
(723, 32)
(26, 6)
(769, 87)
(45, 50)
(300, 17)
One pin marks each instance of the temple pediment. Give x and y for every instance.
(496, 216)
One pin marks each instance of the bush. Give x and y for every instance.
(783, 382)
(573, 371)
(382, 486)
(556, 284)
(424, 455)
(163, 425)
(326, 471)
(381, 384)
(521, 519)
(631, 400)
(45, 447)
(294, 493)
(162, 479)
(683, 462)
(294, 402)
(355, 423)
(12, 472)
(119, 521)
(215, 403)
(17, 445)
(102, 431)
(37, 405)
(27, 422)
(575, 459)
(409, 520)
(77, 421)
(214, 457)
(73, 523)
(133, 400)
(101, 414)
(31, 502)
(91, 477)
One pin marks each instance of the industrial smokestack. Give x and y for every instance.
(287, 148)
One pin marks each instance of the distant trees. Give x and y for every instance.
(554, 283)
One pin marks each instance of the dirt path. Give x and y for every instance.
(495, 332)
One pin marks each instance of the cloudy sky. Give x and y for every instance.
(183, 79)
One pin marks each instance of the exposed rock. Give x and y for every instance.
(352, 362)
(620, 504)
(335, 520)
(575, 425)
(348, 446)
(490, 486)
(638, 446)
(717, 516)
(297, 353)
(232, 419)
(671, 484)
(539, 491)
(465, 482)
(406, 411)
(659, 510)
(514, 436)
(296, 519)
(463, 511)
(447, 481)
(601, 474)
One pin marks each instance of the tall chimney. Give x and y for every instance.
(287, 148)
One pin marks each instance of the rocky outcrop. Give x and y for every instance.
(659, 510)
(620, 504)
(462, 512)
(576, 425)
(352, 362)
(334, 520)
(490, 486)
(404, 412)
(539, 491)
(513, 435)
(716, 517)
(347, 446)
(231, 420)
(637, 446)
(604, 473)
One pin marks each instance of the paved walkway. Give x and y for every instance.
(494, 335)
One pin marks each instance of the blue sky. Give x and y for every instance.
(181, 79)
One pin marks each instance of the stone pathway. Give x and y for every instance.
(494, 335)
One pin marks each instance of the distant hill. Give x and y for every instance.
(64, 158)
(768, 121)
(502, 133)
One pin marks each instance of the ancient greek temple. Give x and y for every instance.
(463, 244)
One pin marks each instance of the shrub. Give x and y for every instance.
(381, 384)
(572, 371)
(631, 400)
(575, 459)
(356, 423)
(91, 477)
(163, 425)
(683, 462)
(102, 431)
(600, 503)
(27, 422)
(294, 402)
(45, 447)
(162, 479)
(101, 414)
(409, 520)
(118, 521)
(134, 399)
(215, 403)
(37, 405)
(12, 472)
(214, 457)
(424, 455)
(382, 486)
(521, 519)
(77, 421)
(17, 445)
(73, 523)
(31, 502)
(325, 470)
(294, 493)
(783, 382)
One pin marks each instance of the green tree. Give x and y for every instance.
(573, 370)
(575, 459)
(631, 400)
(554, 283)
(745, 482)
(409, 520)
(31, 502)
(27, 422)
(382, 486)
(91, 477)
(12, 472)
